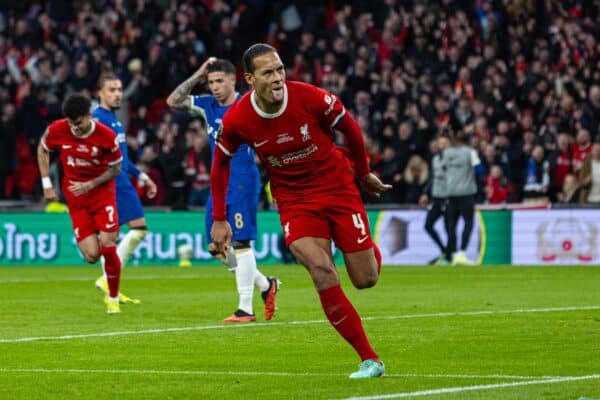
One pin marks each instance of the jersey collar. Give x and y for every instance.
(88, 134)
(267, 115)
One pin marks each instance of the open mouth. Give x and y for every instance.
(277, 93)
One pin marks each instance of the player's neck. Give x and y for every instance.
(89, 130)
(266, 107)
(107, 108)
(230, 100)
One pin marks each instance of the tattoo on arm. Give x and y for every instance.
(113, 171)
(179, 97)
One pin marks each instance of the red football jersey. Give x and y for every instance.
(579, 154)
(83, 158)
(295, 144)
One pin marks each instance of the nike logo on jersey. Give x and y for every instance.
(260, 143)
(362, 239)
(336, 323)
(66, 146)
(108, 226)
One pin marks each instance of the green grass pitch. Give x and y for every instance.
(444, 333)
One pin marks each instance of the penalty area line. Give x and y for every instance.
(290, 323)
(462, 389)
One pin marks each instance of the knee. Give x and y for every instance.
(91, 256)
(368, 281)
(109, 240)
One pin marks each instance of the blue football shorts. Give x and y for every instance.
(129, 205)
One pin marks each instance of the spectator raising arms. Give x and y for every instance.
(513, 73)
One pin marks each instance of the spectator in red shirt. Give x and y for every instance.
(562, 163)
(495, 190)
(581, 148)
(198, 170)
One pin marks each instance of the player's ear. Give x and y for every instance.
(249, 78)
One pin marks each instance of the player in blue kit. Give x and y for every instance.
(129, 206)
(243, 189)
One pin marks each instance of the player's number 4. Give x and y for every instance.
(359, 224)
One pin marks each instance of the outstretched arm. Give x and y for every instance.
(179, 98)
(369, 181)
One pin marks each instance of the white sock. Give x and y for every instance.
(127, 246)
(261, 281)
(244, 279)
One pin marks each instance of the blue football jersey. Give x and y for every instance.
(243, 160)
(243, 190)
(129, 206)
(109, 118)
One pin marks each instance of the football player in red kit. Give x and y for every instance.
(90, 158)
(290, 126)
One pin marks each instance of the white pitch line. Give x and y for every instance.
(82, 279)
(431, 392)
(486, 312)
(252, 373)
(470, 376)
(306, 322)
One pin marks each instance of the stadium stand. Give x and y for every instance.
(522, 77)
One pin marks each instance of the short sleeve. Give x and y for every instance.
(325, 104)
(48, 140)
(198, 105)
(227, 138)
(113, 152)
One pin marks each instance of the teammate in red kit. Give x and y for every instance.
(290, 126)
(90, 158)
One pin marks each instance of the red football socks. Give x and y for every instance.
(377, 257)
(112, 266)
(344, 318)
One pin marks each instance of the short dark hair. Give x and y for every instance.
(109, 76)
(221, 65)
(463, 137)
(76, 105)
(256, 50)
(447, 134)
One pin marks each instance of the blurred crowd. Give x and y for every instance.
(521, 77)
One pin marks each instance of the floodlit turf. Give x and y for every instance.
(444, 333)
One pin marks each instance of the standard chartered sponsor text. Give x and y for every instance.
(297, 155)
